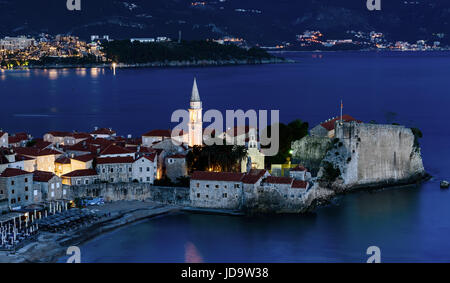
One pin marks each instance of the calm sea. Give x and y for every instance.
(410, 88)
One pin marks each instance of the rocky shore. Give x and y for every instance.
(49, 247)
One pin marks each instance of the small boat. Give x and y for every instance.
(445, 184)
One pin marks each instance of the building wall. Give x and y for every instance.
(62, 169)
(257, 159)
(47, 163)
(85, 180)
(18, 189)
(51, 190)
(30, 165)
(319, 131)
(132, 191)
(216, 194)
(175, 168)
(115, 173)
(144, 170)
(80, 165)
(376, 153)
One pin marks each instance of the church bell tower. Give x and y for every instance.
(195, 118)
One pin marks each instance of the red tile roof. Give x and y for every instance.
(299, 168)
(103, 131)
(81, 135)
(278, 180)
(298, 184)
(253, 176)
(81, 173)
(150, 157)
(32, 151)
(114, 149)
(158, 133)
(217, 176)
(23, 158)
(60, 134)
(42, 144)
(330, 125)
(63, 160)
(84, 157)
(13, 172)
(115, 160)
(2, 134)
(41, 176)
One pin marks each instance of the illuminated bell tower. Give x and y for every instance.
(195, 118)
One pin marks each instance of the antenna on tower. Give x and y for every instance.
(342, 107)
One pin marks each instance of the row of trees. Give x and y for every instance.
(125, 51)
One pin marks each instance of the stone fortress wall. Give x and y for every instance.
(371, 153)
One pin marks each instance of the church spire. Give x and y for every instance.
(195, 97)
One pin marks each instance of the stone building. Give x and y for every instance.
(63, 165)
(18, 139)
(154, 136)
(176, 166)
(16, 186)
(216, 190)
(300, 173)
(45, 159)
(115, 169)
(116, 151)
(144, 169)
(48, 186)
(80, 177)
(82, 162)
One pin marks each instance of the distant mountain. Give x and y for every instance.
(257, 21)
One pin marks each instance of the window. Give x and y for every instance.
(148, 179)
(225, 186)
(86, 181)
(64, 192)
(12, 191)
(198, 185)
(140, 169)
(12, 183)
(225, 195)
(112, 180)
(129, 169)
(148, 169)
(120, 169)
(104, 170)
(26, 189)
(53, 186)
(18, 199)
(78, 182)
(198, 195)
(207, 196)
(53, 194)
(26, 197)
(237, 186)
(112, 170)
(13, 201)
(26, 180)
(35, 192)
(57, 185)
(207, 186)
(217, 186)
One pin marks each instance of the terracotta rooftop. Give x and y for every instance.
(2, 134)
(150, 157)
(33, 151)
(299, 168)
(253, 176)
(60, 134)
(13, 172)
(115, 160)
(158, 133)
(217, 176)
(278, 180)
(81, 173)
(84, 157)
(41, 176)
(330, 125)
(175, 156)
(63, 160)
(114, 149)
(298, 184)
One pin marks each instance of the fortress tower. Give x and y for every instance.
(195, 118)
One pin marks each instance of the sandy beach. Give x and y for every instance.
(48, 247)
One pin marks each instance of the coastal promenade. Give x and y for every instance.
(48, 247)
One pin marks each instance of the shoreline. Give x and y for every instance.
(167, 64)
